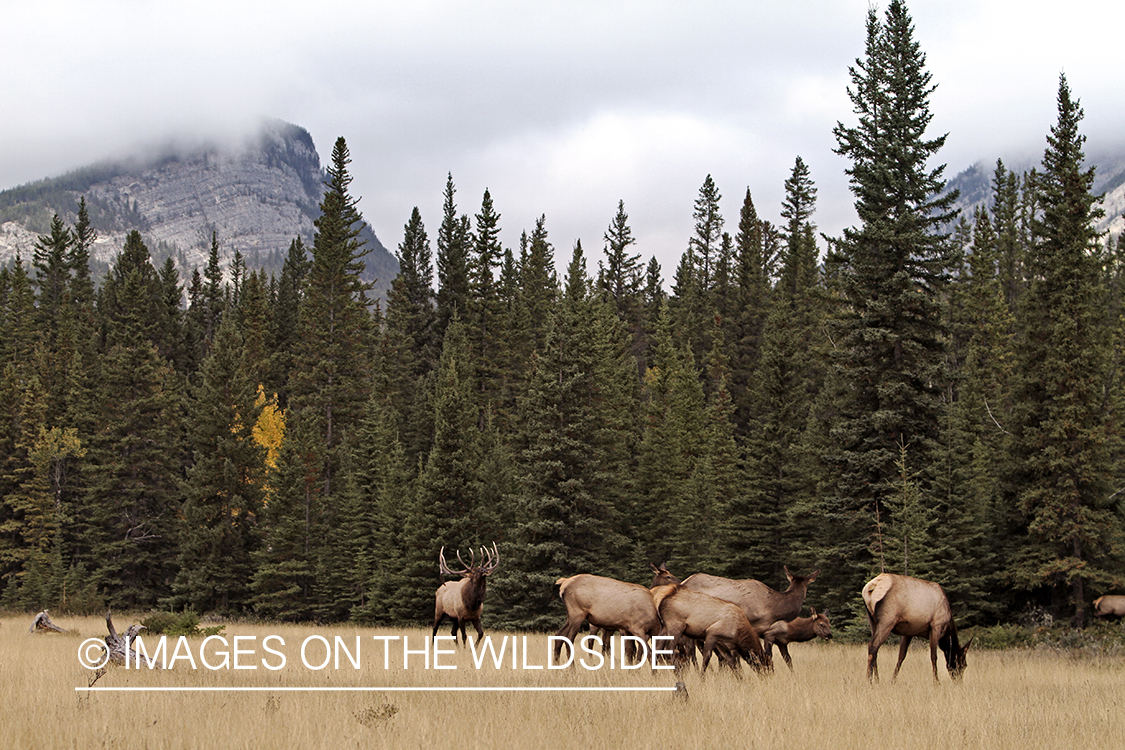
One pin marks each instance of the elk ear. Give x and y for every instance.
(654, 568)
(813, 575)
(812, 612)
(787, 573)
(966, 648)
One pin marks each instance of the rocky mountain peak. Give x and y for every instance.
(255, 194)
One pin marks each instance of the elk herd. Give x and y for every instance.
(733, 620)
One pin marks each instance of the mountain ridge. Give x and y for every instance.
(256, 194)
(975, 185)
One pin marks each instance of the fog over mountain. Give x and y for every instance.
(255, 193)
(975, 185)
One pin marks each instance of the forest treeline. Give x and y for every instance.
(930, 393)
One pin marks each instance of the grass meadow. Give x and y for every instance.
(1015, 698)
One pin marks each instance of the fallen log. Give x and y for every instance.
(42, 624)
(117, 645)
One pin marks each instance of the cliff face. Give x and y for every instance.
(255, 196)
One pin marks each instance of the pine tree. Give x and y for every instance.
(52, 274)
(117, 307)
(893, 271)
(378, 518)
(453, 247)
(1059, 418)
(213, 298)
(284, 334)
(540, 285)
(576, 440)
(284, 571)
(409, 344)
(483, 305)
(224, 490)
(328, 382)
(131, 499)
(449, 509)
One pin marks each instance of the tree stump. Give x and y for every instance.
(42, 624)
(116, 644)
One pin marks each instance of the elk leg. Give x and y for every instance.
(605, 635)
(902, 648)
(767, 654)
(879, 635)
(933, 653)
(568, 630)
(480, 630)
(708, 647)
(783, 649)
(456, 624)
(437, 621)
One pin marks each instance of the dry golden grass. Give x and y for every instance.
(1016, 699)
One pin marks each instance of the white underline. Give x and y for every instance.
(377, 689)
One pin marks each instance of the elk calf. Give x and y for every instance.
(715, 622)
(797, 630)
(462, 601)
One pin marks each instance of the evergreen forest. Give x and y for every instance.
(931, 393)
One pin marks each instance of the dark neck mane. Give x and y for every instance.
(472, 595)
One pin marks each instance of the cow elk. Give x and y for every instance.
(463, 600)
(661, 576)
(797, 630)
(1112, 605)
(608, 604)
(911, 607)
(716, 623)
(763, 606)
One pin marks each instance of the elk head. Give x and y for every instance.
(822, 628)
(661, 575)
(473, 571)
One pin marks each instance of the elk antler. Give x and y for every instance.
(489, 565)
(443, 567)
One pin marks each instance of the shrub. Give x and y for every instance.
(185, 623)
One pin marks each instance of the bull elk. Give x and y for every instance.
(911, 607)
(797, 630)
(608, 604)
(763, 606)
(462, 601)
(715, 622)
(1112, 605)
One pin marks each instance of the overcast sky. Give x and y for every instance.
(558, 108)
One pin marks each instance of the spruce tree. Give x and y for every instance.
(131, 499)
(224, 490)
(449, 509)
(576, 440)
(893, 270)
(409, 349)
(1061, 434)
(329, 380)
(453, 248)
(284, 334)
